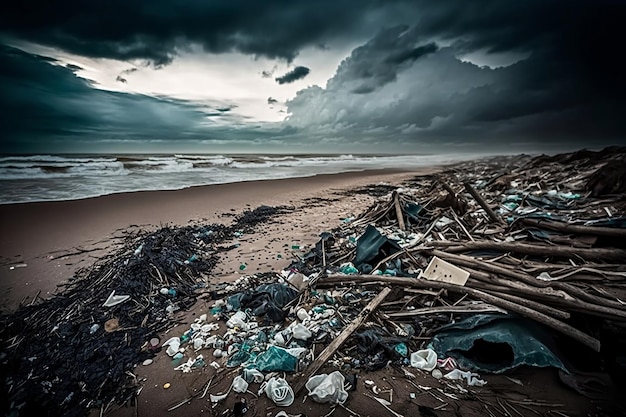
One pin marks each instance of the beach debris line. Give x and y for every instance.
(77, 350)
(506, 292)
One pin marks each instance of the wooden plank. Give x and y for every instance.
(399, 215)
(343, 336)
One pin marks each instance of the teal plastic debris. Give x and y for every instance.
(373, 247)
(413, 211)
(401, 349)
(348, 269)
(495, 343)
(275, 359)
(238, 358)
(619, 222)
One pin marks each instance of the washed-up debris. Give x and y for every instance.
(514, 246)
(91, 335)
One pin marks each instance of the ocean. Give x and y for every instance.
(70, 177)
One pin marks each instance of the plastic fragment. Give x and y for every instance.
(471, 378)
(114, 300)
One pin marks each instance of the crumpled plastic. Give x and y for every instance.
(173, 344)
(266, 299)
(327, 388)
(471, 379)
(275, 359)
(425, 359)
(279, 391)
(372, 247)
(253, 375)
(301, 332)
(239, 384)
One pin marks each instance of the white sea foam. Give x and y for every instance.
(58, 177)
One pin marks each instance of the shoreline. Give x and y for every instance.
(55, 238)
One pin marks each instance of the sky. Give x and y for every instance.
(366, 76)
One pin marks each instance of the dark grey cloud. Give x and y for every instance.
(401, 86)
(74, 67)
(378, 62)
(43, 104)
(295, 74)
(412, 54)
(155, 31)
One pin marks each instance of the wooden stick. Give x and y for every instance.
(399, 214)
(456, 218)
(336, 344)
(550, 311)
(558, 295)
(447, 309)
(447, 187)
(537, 250)
(564, 328)
(493, 216)
(572, 228)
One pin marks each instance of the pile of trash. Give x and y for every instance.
(77, 350)
(483, 268)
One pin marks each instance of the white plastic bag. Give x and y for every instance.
(327, 388)
(240, 385)
(279, 391)
(300, 332)
(425, 359)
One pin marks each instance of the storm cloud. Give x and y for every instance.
(295, 74)
(42, 102)
(156, 30)
(403, 83)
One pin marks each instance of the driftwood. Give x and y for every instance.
(347, 331)
(551, 322)
(485, 308)
(399, 215)
(596, 254)
(573, 228)
(481, 201)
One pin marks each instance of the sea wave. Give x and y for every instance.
(66, 177)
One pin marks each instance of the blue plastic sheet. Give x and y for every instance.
(495, 343)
